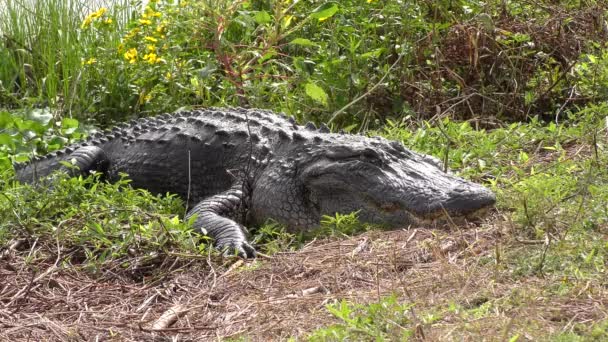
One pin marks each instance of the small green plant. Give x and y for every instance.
(341, 224)
(272, 237)
(383, 321)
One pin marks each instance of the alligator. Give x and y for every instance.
(236, 167)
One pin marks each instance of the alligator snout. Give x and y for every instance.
(466, 200)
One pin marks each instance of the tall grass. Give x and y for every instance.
(42, 47)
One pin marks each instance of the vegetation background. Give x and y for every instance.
(513, 94)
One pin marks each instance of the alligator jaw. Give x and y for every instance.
(444, 217)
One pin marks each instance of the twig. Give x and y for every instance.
(168, 317)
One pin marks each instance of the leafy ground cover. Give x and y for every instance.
(508, 94)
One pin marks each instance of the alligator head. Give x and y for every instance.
(382, 180)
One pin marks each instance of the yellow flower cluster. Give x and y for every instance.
(93, 16)
(151, 58)
(150, 30)
(131, 55)
(149, 12)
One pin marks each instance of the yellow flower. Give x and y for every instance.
(144, 98)
(89, 61)
(151, 47)
(145, 21)
(131, 55)
(86, 22)
(150, 12)
(92, 16)
(370, 1)
(108, 21)
(99, 12)
(131, 33)
(151, 39)
(151, 58)
(162, 27)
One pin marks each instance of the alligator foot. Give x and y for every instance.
(240, 248)
(213, 218)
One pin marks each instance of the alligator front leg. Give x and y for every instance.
(213, 216)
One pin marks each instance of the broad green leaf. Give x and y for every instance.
(262, 17)
(5, 163)
(325, 11)
(268, 55)
(20, 158)
(303, 42)
(373, 54)
(33, 126)
(56, 142)
(6, 120)
(69, 125)
(316, 93)
(6, 139)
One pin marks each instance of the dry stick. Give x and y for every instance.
(367, 92)
(169, 317)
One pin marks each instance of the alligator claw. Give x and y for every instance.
(240, 248)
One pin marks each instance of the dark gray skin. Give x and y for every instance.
(226, 162)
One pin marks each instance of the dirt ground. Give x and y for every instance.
(197, 298)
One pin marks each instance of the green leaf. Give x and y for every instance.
(6, 120)
(34, 126)
(6, 139)
(262, 17)
(373, 54)
(316, 93)
(325, 11)
(268, 55)
(69, 125)
(303, 42)
(5, 163)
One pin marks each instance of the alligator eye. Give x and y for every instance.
(371, 157)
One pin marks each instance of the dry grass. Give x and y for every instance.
(194, 298)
